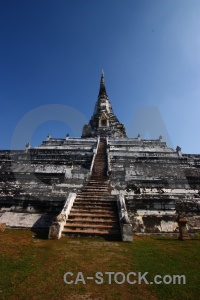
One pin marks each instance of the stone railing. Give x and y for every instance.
(94, 156)
(57, 225)
(108, 157)
(125, 224)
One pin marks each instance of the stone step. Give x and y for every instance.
(96, 182)
(96, 196)
(96, 174)
(91, 209)
(92, 214)
(94, 193)
(93, 232)
(102, 177)
(82, 226)
(92, 180)
(99, 165)
(95, 200)
(94, 189)
(98, 187)
(108, 195)
(97, 177)
(94, 203)
(93, 217)
(97, 221)
(99, 183)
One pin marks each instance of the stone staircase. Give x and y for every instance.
(95, 212)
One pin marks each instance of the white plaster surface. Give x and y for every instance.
(26, 220)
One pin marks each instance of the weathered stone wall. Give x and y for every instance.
(37, 181)
(157, 184)
(156, 181)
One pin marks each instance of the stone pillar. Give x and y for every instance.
(183, 232)
(178, 150)
(28, 146)
(2, 227)
(55, 230)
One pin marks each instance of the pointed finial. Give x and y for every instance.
(102, 73)
(102, 90)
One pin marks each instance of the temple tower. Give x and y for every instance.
(103, 122)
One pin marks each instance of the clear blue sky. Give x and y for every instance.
(52, 52)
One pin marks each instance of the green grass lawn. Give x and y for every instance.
(32, 267)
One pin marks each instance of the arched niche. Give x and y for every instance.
(103, 120)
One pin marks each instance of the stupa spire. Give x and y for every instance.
(103, 121)
(102, 89)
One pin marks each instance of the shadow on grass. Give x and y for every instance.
(41, 234)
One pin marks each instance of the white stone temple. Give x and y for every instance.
(104, 183)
